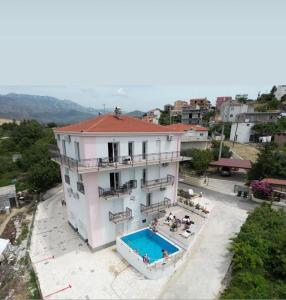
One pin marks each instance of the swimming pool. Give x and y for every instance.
(147, 242)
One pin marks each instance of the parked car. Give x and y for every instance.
(225, 171)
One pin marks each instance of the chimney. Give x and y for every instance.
(117, 112)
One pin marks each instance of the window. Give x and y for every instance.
(77, 153)
(144, 149)
(201, 134)
(64, 147)
(148, 199)
(58, 137)
(144, 176)
(79, 177)
(67, 171)
(113, 150)
(130, 149)
(114, 180)
(231, 115)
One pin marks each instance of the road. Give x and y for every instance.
(202, 274)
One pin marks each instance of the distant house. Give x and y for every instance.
(230, 109)
(200, 103)
(168, 107)
(195, 136)
(241, 130)
(191, 115)
(221, 100)
(280, 91)
(178, 105)
(153, 116)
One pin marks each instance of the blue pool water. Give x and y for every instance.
(147, 242)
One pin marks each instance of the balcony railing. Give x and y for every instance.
(155, 207)
(120, 216)
(157, 183)
(107, 163)
(116, 192)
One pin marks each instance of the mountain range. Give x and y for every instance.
(44, 109)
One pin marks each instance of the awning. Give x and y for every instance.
(232, 163)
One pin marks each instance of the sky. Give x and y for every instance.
(141, 54)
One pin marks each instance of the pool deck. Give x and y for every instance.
(180, 212)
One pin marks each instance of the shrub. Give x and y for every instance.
(261, 189)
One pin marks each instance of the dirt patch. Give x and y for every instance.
(17, 278)
(244, 151)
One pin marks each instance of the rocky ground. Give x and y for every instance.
(17, 279)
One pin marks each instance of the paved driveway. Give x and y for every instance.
(203, 272)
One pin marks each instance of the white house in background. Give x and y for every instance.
(241, 130)
(230, 109)
(280, 92)
(118, 172)
(195, 136)
(153, 116)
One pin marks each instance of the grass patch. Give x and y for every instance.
(33, 291)
(24, 234)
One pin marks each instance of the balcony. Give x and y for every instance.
(160, 183)
(155, 207)
(121, 190)
(120, 216)
(120, 162)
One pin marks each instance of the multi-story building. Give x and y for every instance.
(230, 109)
(117, 172)
(178, 105)
(241, 130)
(221, 100)
(168, 107)
(192, 115)
(200, 103)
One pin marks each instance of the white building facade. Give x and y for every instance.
(118, 172)
(230, 109)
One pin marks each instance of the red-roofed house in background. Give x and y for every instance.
(117, 172)
(153, 116)
(195, 136)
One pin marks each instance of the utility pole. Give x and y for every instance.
(221, 141)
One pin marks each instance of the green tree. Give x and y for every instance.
(43, 175)
(271, 162)
(225, 153)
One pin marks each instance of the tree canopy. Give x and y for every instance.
(259, 257)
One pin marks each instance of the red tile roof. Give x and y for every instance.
(186, 127)
(111, 123)
(232, 163)
(274, 181)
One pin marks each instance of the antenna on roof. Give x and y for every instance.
(117, 112)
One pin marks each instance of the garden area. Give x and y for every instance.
(258, 269)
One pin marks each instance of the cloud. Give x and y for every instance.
(121, 92)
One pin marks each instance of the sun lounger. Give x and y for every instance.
(186, 233)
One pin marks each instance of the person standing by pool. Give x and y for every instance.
(146, 259)
(165, 254)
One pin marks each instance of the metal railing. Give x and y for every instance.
(120, 216)
(155, 206)
(113, 162)
(121, 190)
(159, 183)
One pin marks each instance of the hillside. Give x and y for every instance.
(43, 108)
(136, 113)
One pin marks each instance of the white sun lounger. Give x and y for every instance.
(186, 234)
